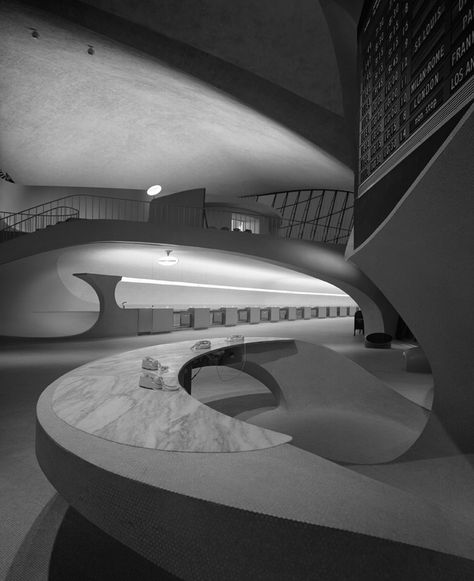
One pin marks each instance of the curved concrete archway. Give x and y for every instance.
(313, 259)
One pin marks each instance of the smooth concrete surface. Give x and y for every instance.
(180, 209)
(104, 399)
(112, 320)
(274, 34)
(342, 17)
(331, 406)
(440, 271)
(195, 134)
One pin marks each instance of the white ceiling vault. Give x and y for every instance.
(202, 277)
(124, 119)
(195, 265)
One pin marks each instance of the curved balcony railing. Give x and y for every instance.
(319, 215)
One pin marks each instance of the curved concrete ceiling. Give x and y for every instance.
(195, 265)
(123, 119)
(287, 43)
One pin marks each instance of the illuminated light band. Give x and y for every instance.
(225, 287)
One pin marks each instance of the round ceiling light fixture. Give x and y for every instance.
(168, 260)
(154, 190)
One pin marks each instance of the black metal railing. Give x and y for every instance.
(319, 215)
(78, 206)
(17, 224)
(89, 208)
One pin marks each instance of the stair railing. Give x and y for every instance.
(32, 222)
(90, 208)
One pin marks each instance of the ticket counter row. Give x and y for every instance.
(162, 320)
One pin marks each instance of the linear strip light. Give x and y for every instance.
(225, 287)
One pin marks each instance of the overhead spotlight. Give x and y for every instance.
(34, 32)
(168, 260)
(154, 190)
(90, 50)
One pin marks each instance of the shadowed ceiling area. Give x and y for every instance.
(122, 118)
(287, 43)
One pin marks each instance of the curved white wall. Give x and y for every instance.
(35, 303)
(41, 297)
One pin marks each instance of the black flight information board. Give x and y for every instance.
(414, 56)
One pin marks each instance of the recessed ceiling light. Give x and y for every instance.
(168, 260)
(153, 190)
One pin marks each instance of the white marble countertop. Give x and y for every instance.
(271, 479)
(103, 398)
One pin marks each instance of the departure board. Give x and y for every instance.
(415, 56)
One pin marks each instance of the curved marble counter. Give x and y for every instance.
(103, 398)
(275, 512)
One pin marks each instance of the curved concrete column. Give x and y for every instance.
(421, 258)
(112, 319)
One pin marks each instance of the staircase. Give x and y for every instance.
(21, 223)
(73, 207)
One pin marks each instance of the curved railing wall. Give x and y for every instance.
(320, 215)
